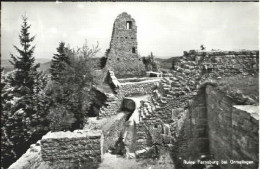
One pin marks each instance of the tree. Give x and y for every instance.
(60, 119)
(59, 62)
(23, 120)
(82, 69)
(70, 91)
(202, 47)
(150, 63)
(24, 65)
(6, 144)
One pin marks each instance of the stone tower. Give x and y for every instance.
(122, 57)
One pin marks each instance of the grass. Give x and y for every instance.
(247, 85)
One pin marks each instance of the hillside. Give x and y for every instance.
(44, 64)
(167, 63)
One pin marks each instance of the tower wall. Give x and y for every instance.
(123, 56)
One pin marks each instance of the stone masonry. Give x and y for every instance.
(123, 56)
(233, 129)
(113, 103)
(224, 63)
(187, 112)
(74, 146)
(180, 102)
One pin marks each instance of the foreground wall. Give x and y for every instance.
(217, 127)
(193, 140)
(64, 150)
(73, 147)
(233, 133)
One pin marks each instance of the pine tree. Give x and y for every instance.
(23, 119)
(6, 144)
(59, 62)
(24, 64)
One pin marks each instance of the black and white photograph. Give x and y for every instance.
(129, 85)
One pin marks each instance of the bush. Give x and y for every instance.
(60, 118)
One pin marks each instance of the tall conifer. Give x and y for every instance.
(59, 62)
(24, 64)
(22, 119)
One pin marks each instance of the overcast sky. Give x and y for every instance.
(166, 29)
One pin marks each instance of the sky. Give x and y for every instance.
(164, 28)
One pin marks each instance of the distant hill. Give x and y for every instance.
(167, 63)
(45, 67)
(44, 64)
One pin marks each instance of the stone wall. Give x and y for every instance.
(162, 117)
(114, 101)
(123, 56)
(190, 121)
(64, 150)
(73, 147)
(138, 88)
(111, 128)
(225, 63)
(233, 133)
(179, 102)
(193, 138)
(153, 136)
(29, 160)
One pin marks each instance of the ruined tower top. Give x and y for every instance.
(124, 21)
(123, 56)
(124, 34)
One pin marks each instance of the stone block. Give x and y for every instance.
(71, 145)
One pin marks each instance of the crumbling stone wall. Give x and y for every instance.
(123, 56)
(180, 102)
(193, 138)
(64, 150)
(162, 116)
(204, 124)
(233, 133)
(139, 88)
(29, 160)
(172, 119)
(72, 147)
(114, 101)
(153, 136)
(216, 128)
(224, 63)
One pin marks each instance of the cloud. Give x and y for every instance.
(52, 30)
(80, 6)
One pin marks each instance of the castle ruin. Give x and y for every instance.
(122, 56)
(189, 113)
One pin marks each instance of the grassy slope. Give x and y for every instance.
(247, 85)
(166, 63)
